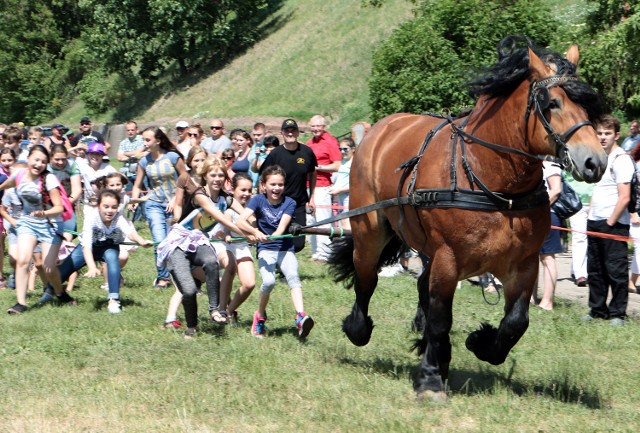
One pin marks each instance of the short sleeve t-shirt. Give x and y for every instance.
(65, 174)
(186, 183)
(89, 175)
(89, 138)
(326, 151)
(30, 195)
(297, 164)
(620, 169)
(161, 175)
(268, 217)
(216, 146)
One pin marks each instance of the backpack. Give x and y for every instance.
(67, 206)
(634, 196)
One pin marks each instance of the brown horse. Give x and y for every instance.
(470, 196)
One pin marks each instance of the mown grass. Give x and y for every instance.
(81, 369)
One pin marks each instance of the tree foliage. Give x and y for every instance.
(611, 59)
(102, 50)
(424, 64)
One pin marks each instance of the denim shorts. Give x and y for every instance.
(45, 231)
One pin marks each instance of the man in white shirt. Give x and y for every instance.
(607, 262)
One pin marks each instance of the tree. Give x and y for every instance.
(424, 64)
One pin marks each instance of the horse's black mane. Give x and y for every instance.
(513, 67)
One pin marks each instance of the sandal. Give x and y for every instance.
(161, 284)
(17, 309)
(219, 317)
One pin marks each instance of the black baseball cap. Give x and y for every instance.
(57, 126)
(85, 120)
(289, 123)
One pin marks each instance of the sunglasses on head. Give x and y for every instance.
(216, 127)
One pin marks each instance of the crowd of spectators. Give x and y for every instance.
(192, 192)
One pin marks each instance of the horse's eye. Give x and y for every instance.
(554, 103)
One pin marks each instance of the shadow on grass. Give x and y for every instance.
(101, 303)
(562, 388)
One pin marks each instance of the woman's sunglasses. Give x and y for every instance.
(344, 149)
(193, 135)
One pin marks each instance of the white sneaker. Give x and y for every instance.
(391, 270)
(114, 306)
(105, 287)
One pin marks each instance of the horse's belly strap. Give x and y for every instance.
(475, 200)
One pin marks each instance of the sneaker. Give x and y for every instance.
(305, 324)
(65, 299)
(258, 329)
(45, 298)
(105, 287)
(391, 270)
(616, 321)
(173, 324)
(587, 317)
(114, 306)
(189, 333)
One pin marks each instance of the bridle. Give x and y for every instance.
(539, 98)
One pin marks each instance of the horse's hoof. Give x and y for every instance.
(358, 330)
(439, 397)
(483, 344)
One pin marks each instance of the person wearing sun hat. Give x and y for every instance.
(299, 163)
(91, 169)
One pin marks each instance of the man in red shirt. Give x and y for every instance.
(325, 148)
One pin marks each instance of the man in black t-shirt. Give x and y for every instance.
(299, 163)
(88, 135)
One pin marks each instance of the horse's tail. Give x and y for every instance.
(341, 258)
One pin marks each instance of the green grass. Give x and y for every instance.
(80, 369)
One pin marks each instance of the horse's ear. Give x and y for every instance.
(573, 54)
(536, 66)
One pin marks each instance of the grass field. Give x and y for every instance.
(80, 369)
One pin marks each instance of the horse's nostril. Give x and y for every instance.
(589, 165)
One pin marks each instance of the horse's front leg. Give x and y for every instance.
(367, 253)
(493, 345)
(436, 293)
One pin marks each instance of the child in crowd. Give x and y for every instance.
(102, 234)
(40, 223)
(7, 159)
(261, 153)
(187, 246)
(11, 210)
(241, 252)
(91, 169)
(12, 137)
(273, 212)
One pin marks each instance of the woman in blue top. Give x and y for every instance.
(242, 163)
(161, 167)
(273, 212)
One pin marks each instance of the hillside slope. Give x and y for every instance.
(317, 59)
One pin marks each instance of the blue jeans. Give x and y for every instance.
(104, 253)
(159, 224)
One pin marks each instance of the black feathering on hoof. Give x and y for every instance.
(340, 261)
(420, 345)
(358, 329)
(483, 344)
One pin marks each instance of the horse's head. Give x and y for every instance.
(559, 108)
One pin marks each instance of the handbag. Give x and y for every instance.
(568, 204)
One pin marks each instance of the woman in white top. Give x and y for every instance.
(340, 187)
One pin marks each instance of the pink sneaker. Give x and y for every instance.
(258, 328)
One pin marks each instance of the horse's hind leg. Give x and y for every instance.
(436, 299)
(493, 345)
(370, 248)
